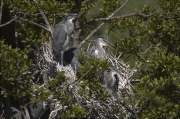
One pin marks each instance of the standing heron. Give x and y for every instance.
(98, 49)
(62, 35)
(111, 80)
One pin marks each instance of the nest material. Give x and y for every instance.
(104, 109)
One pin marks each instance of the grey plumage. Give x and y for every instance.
(70, 57)
(111, 80)
(35, 110)
(98, 48)
(17, 114)
(62, 35)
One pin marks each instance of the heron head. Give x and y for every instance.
(115, 74)
(103, 41)
(70, 17)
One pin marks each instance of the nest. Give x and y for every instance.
(102, 109)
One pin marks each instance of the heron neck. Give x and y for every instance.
(70, 27)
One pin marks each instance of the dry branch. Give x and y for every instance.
(1, 10)
(36, 24)
(102, 24)
(44, 17)
(2, 25)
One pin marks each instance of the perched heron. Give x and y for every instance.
(17, 114)
(14, 111)
(62, 35)
(111, 80)
(98, 49)
(70, 57)
(35, 110)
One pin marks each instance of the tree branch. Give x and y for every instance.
(44, 16)
(1, 10)
(83, 76)
(2, 25)
(144, 16)
(26, 20)
(141, 15)
(102, 24)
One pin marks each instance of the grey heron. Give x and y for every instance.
(35, 110)
(62, 35)
(110, 80)
(98, 49)
(70, 57)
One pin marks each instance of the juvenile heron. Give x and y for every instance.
(70, 57)
(111, 80)
(62, 35)
(98, 49)
(35, 110)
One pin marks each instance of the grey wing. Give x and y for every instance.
(77, 52)
(59, 37)
(16, 113)
(91, 51)
(35, 111)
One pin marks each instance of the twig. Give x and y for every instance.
(2, 25)
(16, 34)
(28, 14)
(83, 75)
(102, 24)
(56, 111)
(26, 20)
(126, 107)
(144, 16)
(44, 16)
(141, 15)
(1, 10)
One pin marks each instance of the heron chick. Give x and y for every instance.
(110, 80)
(98, 48)
(62, 35)
(71, 57)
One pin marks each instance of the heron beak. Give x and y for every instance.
(74, 17)
(109, 44)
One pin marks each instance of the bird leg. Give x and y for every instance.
(62, 53)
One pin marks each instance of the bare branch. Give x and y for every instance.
(84, 75)
(28, 14)
(102, 24)
(144, 16)
(1, 10)
(2, 25)
(44, 16)
(26, 20)
(141, 15)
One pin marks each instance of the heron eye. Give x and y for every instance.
(104, 46)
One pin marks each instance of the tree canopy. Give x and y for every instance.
(147, 40)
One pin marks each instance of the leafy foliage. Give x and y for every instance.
(15, 73)
(151, 45)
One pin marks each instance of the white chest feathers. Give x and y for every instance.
(96, 52)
